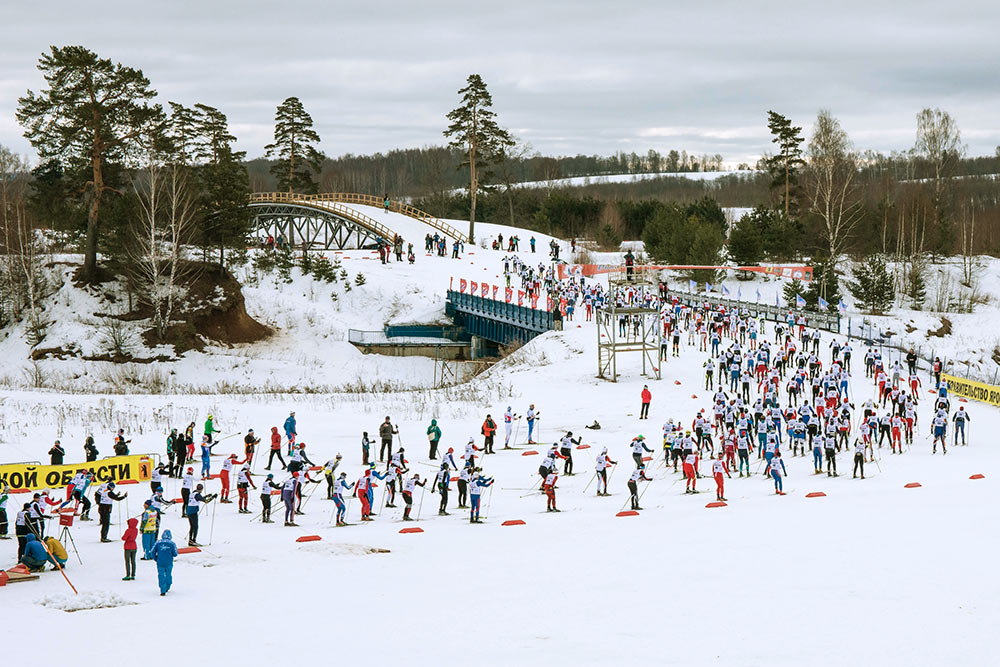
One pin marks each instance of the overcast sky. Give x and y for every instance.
(567, 76)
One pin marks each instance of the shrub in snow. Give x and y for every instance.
(306, 263)
(323, 270)
(360, 279)
(283, 261)
(264, 262)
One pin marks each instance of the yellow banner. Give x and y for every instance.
(977, 391)
(113, 469)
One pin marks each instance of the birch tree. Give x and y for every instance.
(831, 178)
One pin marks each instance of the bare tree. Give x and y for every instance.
(167, 213)
(509, 157)
(24, 280)
(831, 179)
(939, 141)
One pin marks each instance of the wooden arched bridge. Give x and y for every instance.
(329, 221)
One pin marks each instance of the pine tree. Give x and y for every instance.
(915, 286)
(90, 118)
(746, 245)
(784, 166)
(297, 158)
(474, 129)
(225, 184)
(873, 287)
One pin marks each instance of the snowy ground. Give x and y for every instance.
(873, 572)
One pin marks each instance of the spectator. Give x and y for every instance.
(164, 553)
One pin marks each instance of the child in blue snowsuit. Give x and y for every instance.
(164, 553)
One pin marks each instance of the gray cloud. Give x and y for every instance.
(571, 76)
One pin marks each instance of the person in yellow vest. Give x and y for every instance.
(57, 550)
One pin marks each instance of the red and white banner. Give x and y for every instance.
(474, 286)
(794, 272)
(495, 288)
(508, 294)
(461, 285)
(520, 298)
(484, 289)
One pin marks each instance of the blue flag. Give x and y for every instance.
(739, 293)
(823, 303)
(758, 295)
(708, 288)
(692, 285)
(799, 302)
(776, 301)
(725, 292)
(842, 307)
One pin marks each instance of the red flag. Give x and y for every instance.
(548, 302)
(495, 288)
(474, 286)
(461, 285)
(534, 301)
(451, 283)
(508, 294)
(484, 289)
(520, 297)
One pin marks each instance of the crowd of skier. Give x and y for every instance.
(776, 396)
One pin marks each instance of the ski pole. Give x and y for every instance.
(420, 506)
(488, 501)
(211, 530)
(593, 477)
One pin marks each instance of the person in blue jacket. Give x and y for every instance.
(290, 432)
(164, 553)
(35, 556)
(371, 491)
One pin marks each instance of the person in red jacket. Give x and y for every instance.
(131, 547)
(489, 430)
(275, 449)
(362, 493)
(690, 473)
(718, 468)
(647, 397)
(550, 492)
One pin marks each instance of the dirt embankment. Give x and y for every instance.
(213, 310)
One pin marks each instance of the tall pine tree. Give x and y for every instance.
(474, 129)
(224, 182)
(89, 118)
(297, 158)
(784, 166)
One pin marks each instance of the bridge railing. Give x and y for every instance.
(395, 207)
(313, 201)
(824, 321)
(365, 200)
